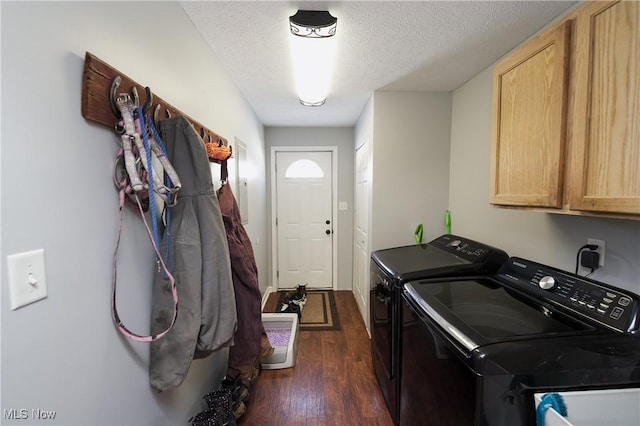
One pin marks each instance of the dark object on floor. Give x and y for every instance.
(319, 313)
(224, 405)
(294, 302)
(239, 393)
(288, 307)
(218, 413)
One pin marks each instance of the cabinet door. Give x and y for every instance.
(605, 171)
(529, 122)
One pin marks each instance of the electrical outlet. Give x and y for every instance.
(600, 250)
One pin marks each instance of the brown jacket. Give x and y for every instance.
(244, 356)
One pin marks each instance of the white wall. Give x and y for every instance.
(410, 183)
(551, 239)
(64, 353)
(342, 137)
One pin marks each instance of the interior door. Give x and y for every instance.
(304, 219)
(361, 231)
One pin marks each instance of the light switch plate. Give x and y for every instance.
(27, 278)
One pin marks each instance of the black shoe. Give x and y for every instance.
(219, 412)
(239, 392)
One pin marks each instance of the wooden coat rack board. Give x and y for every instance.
(96, 85)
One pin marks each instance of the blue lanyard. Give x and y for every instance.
(148, 123)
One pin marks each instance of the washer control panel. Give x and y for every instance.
(608, 305)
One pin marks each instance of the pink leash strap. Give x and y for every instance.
(122, 189)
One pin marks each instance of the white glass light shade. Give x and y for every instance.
(313, 63)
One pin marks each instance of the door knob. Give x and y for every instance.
(328, 232)
(328, 222)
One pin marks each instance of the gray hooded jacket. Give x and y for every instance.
(201, 266)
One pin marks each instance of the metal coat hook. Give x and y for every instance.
(115, 83)
(148, 101)
(156, 114)
(136, 98)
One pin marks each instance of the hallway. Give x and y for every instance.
(332, 382)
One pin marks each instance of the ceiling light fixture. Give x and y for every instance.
(312, 46)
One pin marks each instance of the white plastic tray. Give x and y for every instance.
(283, 356)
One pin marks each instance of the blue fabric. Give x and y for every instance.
(167, 234)
(550, 400)
(152, 204)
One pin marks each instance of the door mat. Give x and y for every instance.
(319, 313)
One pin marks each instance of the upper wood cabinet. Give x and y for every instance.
(566, 116)
(605, 145)
(530, 89)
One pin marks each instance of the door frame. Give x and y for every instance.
(334, 208)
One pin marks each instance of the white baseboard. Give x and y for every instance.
(267, 292)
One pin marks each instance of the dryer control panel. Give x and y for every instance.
(470, 250)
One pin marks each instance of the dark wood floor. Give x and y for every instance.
(331, 384)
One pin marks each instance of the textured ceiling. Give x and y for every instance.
(382, 45)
